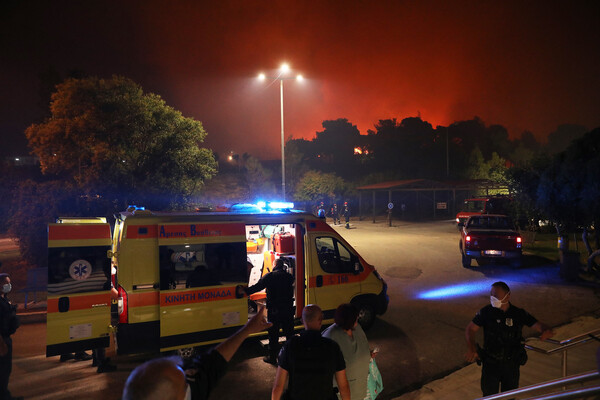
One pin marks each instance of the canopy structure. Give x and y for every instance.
(422, 198)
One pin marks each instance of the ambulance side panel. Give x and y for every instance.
(336, 274)
(203, 307)
(79, 284)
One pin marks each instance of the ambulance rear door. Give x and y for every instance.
(79, 284)
(201, 263)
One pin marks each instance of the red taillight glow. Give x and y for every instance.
(519, 240)
(467, 238)
(122, 306)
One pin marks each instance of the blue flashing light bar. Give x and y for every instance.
(134, 207)
(280, 205)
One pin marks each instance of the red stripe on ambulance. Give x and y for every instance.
(78, 232)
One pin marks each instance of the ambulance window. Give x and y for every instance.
(78, 270)
(334, 257)
(197, 265)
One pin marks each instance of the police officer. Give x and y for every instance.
(503, 352)
(280, 305)
(9, 322)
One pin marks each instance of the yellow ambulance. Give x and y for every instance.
(176, 275)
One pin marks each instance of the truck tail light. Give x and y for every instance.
(519, 242)
(468, 239)
(122, 301)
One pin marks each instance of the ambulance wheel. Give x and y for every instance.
(366, 315)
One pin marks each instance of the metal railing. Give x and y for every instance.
(562, 346)
(565, 394)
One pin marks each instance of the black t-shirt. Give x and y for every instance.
(210, 368)
(9, 322)
(503, 331)
(311, 361)
(280, 289)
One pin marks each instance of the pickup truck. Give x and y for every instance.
(490, 237)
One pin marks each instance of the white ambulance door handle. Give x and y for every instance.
(100, 305)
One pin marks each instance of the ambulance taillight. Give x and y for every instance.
(123, 319)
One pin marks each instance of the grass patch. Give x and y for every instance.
(546, 245)
(541, 245)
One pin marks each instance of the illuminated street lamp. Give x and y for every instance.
(284, 70)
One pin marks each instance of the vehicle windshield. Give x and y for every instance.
(489, 222)
(474, 206)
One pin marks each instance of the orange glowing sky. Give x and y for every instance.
(525, 65)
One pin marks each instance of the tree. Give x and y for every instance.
(258, 179)
(317, 186)
(492, 169)
(111, 139)
(563, 135)
(34, 206)
(335, 146)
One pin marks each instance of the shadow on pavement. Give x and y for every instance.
(397, 360)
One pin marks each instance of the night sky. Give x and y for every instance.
(527, 65)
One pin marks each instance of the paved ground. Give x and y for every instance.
(464, 383)
(432, 299)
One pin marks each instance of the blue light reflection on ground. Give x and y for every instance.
(542, 275)
(465, 289)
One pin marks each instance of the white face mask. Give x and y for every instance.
(6, 288)
(497, 303)
(188, 393)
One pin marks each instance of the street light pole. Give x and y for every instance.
(282, 142)
(283, 71)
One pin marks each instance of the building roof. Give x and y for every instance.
(408, 184)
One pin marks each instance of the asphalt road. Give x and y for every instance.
(421, 337)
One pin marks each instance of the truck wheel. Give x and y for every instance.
(366, 315)
(466, 261)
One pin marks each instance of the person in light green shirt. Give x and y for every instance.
(348, 334)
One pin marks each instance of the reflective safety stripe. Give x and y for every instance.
(81, 302)
(81, 232)
(142, 231)
(143, 299)
(338, 279)
(177, 297)
(318, 226)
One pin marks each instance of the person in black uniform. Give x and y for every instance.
(280, 305)
(346, 214)
(503, 352)
(335, 214)
(9, 322)
(310, 361)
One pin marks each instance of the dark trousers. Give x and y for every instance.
(5, 370)
(287, 326)
(499, 376)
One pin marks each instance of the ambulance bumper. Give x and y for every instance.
(383, 300)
